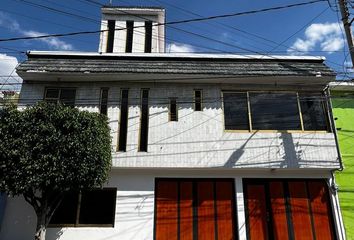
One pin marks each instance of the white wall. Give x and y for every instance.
(198, 139)
(158, 32)
(135, 205)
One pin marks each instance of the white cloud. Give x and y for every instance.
(14, 26)
(53, 42)
(328, 36)
(8, 75)
(180, 48)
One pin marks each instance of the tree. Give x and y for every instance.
(49, 149)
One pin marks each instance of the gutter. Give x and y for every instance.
(333, 187)
(334, 129)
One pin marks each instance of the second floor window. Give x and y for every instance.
(275, 111)
(62, 95)
(173, 110)
(104, 101)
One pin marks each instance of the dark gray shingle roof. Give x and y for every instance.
(177, 65)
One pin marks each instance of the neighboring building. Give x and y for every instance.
(8, 97)
(343, 110)
(205, 146)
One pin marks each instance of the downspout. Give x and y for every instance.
(333, 128)
(332, 183)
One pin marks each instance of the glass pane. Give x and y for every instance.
(67, 96)
(313, 112)
(144, 121)
(198, 100)
(235, 111)
(66, 212)
(274, 111)
(123, 126)
(98, 207)
(104, 101)
(173, 110)
(52, 93)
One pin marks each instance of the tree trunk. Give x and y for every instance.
(41, 226)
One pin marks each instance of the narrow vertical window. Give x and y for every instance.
(148, 36)
(144, 121)
(104, 101)
(173, 110)
(129, 40)
(198, 100)
(110, 38)
(123, 125)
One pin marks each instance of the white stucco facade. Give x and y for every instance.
(138, 16)
(134, 217)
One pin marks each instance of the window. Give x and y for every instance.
(236, 111)
(104, 101)
(123, 123)
(288, 209)
(110, 38)
(63, 95)
(198, 100)
(86, 208)
(173, 110)
(144, 120)
(314, 114)
(274, 111)
(129, 39)
(148, 36)
(195, 209)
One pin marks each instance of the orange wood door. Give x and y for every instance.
(300, 210)
(206, 211)
(199, 209)
(186, 211)
(321, 210)
(278, 210)
(257, 212)
(166, 210)
(225, 210)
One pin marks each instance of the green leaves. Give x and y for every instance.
(51, 146)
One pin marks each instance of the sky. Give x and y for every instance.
(313, 29)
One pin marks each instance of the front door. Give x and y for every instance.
(195, 209)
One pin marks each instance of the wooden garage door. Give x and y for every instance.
(191, 209)
(288, 209)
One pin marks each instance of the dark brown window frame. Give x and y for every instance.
(78, 208)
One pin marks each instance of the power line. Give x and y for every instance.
(166, 23)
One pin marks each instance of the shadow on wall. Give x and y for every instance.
(236, 155)
(54, 233)
(290, 156)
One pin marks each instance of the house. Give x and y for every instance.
(343, 111)
(205, 146)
